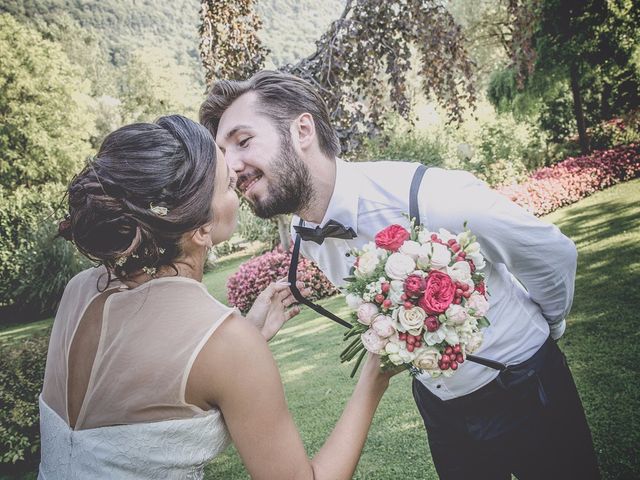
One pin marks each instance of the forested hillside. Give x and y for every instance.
(291, 27)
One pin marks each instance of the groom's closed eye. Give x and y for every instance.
(244, 142)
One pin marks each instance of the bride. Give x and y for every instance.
(148, 376)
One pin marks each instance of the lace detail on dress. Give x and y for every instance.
(170, 449)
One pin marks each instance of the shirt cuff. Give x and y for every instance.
(557, 329)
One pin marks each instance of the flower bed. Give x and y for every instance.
(255, 275)
(566, 182)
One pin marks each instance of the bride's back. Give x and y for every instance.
(113, 401)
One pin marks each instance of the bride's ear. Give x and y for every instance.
(202, 236)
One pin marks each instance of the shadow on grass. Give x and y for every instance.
(602, 337)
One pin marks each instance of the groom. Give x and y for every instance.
(482, 423)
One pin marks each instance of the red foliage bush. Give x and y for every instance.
(254, 275)
(566, 182)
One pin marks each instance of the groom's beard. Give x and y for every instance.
(290, 187)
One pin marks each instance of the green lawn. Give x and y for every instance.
(600, 343)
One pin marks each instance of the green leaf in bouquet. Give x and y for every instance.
(483, 322)
(350, 279)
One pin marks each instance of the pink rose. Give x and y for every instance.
(414, 285)
(383, 326)
(439, 293)
(366, 312)
(479, 304)
(372, 341)
(392, 237)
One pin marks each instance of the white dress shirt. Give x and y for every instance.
(530, 265)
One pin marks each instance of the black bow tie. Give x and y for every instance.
(331, 229)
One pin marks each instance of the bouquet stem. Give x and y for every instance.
(358, 362)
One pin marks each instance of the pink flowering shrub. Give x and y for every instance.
(566, 182)
(255, 275)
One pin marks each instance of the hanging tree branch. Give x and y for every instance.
(362, 62)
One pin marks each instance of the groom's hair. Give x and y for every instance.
(281, 97)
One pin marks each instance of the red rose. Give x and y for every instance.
(414, 285)
(392, 237)
(439, 293)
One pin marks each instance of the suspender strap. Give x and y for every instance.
(291, 277)
(414, 210)
(414, 214)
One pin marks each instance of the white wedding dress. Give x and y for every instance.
(134, 422)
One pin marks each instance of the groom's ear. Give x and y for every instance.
(304, 131)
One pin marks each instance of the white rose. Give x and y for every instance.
(397, 351)
(367, 263)
(396, 289)
(383, 326)
(399, 265)
(406, 356)
(372, 247)
(424, 236)
(474, 341)
(424, 256)
(440, 257)
(456, 314)
(411, 248)
(460, 272)
(427, 359)
(391, 348)
(432, 338)
(366, 312)
(412, 319)
(353, 301)
(478, 304)
(473, 247)
(372, 342)
(478, 260)
(451, 336)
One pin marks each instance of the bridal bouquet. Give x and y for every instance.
(418, 300)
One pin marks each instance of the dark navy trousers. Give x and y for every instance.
(528, 422)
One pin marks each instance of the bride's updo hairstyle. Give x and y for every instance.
(148, 185)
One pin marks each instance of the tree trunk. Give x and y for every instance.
(284, 232)
(605, 111)
(577, 108)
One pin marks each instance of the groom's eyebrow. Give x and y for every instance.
(235, 130)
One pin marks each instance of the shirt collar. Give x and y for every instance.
(343, 205)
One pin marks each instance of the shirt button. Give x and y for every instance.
(347, 254)
(438, 386)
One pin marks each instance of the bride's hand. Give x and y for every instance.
(271, 308)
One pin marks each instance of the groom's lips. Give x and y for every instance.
(246, 182)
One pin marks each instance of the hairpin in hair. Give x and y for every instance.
(158, 210)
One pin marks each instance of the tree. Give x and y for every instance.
(45, 122)
(229, 43)
(361, 63)
(586, 43)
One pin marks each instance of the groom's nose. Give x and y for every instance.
(235, 162)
